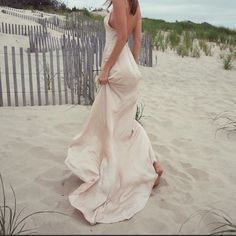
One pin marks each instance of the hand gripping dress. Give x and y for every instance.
(113, 155)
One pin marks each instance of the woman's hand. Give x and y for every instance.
(103, 77)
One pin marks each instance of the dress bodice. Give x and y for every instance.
(125, 64)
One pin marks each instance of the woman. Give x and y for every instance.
(113, 154)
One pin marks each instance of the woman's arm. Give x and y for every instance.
(137, 36)
(122, 35)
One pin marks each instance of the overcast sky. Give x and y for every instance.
(216, 12)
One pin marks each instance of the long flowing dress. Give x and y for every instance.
(113, 155)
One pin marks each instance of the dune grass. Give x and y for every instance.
(196, 52)
(207, 49)
(139, 112)
(182, 50)
(174, 39)
(180, 37)
(227, 61)
(221, 224)
(203, 31)
(160, 42)
(11, 222)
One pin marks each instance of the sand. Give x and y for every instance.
(17, 41)
(181, 97)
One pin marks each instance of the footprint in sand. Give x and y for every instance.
(173, 171)
(198, 174)
(185, 164)
(209, 150)
(161, 149)
(152, 120)
(67, 128)
(54, 174)
(153, 137)
(176, 150)
(183, 142)
(41, 152)
(18, 146)
(166, 123)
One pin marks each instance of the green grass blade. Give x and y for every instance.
(14, 214)
(34, 213)
(219, 227)
(10, 215)
(3, 214)
(26, 230)
(224, 231)
(15, 219)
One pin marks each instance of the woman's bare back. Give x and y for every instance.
(132, 20)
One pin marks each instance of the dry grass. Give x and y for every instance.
(139, 112)
(222, 223)
(11, 222)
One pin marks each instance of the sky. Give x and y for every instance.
(215, 12)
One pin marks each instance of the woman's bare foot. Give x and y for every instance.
(159, 171)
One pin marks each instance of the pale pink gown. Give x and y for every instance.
(113, 154)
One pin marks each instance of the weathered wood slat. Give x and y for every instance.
(1, 90)
(7, 76)
(22, 76)
(78, 57)
(30, 78)
(38, 77)
(65, 73)
(59, 76)
(52, 77)
(46, 79)
(14, 75)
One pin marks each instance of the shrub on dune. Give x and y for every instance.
(227, 61)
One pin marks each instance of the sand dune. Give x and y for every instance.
(181, 96)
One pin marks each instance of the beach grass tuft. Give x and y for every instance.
(217, 221)
(139, 112)
(227, 61)
(11, 222)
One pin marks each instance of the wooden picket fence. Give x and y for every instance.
(55, 70)
(51, 21)
(55, 77)
(25, 30)
(61, 76)
(11, 11)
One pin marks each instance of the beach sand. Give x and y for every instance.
(181, 96)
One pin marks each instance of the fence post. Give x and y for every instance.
(7, 76)
(65, 72)
(30, 78)
(59, 75)
(1, 97)
(14, 75)
(150, 51)
(45, 77)
(72, 74)
(22, 76)
(90, 67)
(38, 76)
(52, 77)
